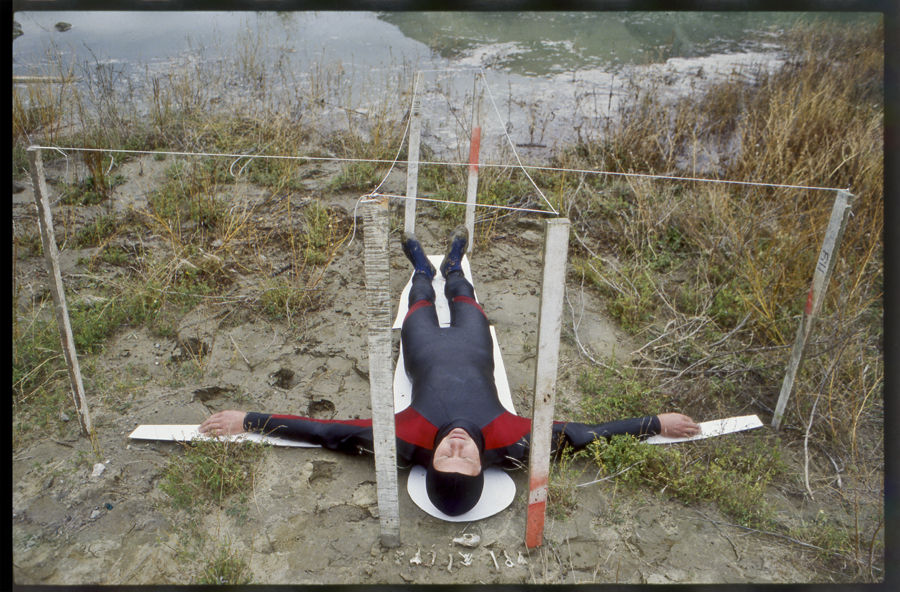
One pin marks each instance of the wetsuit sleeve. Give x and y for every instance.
(579, 435)
(353, 436)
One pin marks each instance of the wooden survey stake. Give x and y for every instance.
(381, 379)
(51, 257)
(553, 284)
(821, 277)
(412, 167)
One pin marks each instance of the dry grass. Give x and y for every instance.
(203, 226)
(712, 278)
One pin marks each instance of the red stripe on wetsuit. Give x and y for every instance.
(424, 303)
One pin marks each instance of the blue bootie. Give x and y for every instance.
(416, 255)
(459, 240)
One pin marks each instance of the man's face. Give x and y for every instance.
(457, 453)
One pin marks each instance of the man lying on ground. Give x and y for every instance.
(455, 425)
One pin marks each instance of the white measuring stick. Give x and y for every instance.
(553, 282)
(709, 429)
(378, 300)
(187, 433)
(412, 168)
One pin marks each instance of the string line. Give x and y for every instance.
(374, 196)
(512, 144)
(448, 163)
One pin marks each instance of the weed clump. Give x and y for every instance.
(210, 471)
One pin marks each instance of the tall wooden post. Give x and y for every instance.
(412, 167)
(378, 298)
(51, 257)
(825, 265)
(553, 283)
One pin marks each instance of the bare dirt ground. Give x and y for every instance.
(311, 515)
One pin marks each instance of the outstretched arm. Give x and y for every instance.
(348, 435)
(672, 425)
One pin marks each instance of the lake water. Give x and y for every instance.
(541, 75)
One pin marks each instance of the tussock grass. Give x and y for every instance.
(210, 471)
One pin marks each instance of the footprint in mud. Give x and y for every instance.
(190, 348)
(284, 378)
(210, 392)
(322, 469)
(323, 409)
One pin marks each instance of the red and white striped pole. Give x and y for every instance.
(474, 159)
(553, 284)
(472, 189)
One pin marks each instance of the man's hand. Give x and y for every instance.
(224, 423)
(676, 425)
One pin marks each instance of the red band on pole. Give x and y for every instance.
(534, 533)
(474, 148)
(537, 508)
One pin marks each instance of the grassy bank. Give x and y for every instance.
(709, 279)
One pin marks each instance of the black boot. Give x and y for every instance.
(459, 240)
(416, 255)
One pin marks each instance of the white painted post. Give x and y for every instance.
(51, 257)
(827, 257)
(472, 188)
(378, 298)
(412, 168)
(556, 243)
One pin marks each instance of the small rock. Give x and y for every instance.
(98, 469)
(64, 417)
(63, 27)
(532, 236)
(95, 513)
(530, 223)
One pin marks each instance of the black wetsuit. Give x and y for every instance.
(452, 373)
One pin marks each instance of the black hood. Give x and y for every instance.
(454, 493)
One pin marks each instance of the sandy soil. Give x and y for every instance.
(311, 516)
